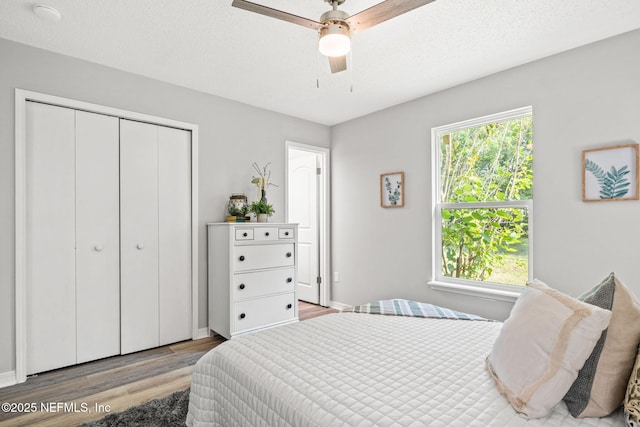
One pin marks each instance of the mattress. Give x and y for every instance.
(357, 369)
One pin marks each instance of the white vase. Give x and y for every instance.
(262, 217)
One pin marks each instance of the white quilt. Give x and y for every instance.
(356, 369)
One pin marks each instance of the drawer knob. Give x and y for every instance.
(266, 234)
(140, 246)
(241, 258)
(288, 254)
(286, 233)
(241, 286)
(244, 234)
(98, 248)
(242, 315)
(289, 280)
(289, 306)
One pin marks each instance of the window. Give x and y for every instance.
(483, 201)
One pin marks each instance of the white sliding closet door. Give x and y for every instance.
(50, 237)
(108, 238)
(174, 196)
(139, 235)
(97, 236)
(155, 212)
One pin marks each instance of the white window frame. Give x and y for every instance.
(488, 290)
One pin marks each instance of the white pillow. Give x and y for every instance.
(542, 346)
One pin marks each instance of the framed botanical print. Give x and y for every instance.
(610, 173)
(392, 190)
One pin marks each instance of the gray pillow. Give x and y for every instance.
(601, 384)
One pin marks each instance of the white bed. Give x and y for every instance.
(358, 369)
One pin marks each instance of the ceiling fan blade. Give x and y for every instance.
(381, 12)
(338, 63)
(278, 14)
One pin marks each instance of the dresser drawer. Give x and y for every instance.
(251, 285)
(263, 256)
(244, 234)
(261, 312)
(285, 233)
(266, 233)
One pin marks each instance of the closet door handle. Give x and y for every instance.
(98, 248)
(140, 246)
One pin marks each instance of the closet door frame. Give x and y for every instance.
(21, 98)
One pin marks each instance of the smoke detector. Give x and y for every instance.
(46, 12)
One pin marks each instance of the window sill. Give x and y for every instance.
(477, 291)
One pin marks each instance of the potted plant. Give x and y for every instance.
(262, 210)
(237, 212)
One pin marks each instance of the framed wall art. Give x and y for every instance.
(610, 173)
(392, 190)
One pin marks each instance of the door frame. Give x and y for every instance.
(324, 221)
(21, 98)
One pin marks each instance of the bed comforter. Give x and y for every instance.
(356, 369)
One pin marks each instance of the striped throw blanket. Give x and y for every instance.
(403, 307)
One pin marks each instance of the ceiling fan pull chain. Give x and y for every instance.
(351, 70)
(318, 68)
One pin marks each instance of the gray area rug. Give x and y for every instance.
(165, 412)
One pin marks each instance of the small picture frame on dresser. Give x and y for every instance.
(392, 190)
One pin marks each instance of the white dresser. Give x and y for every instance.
(252, 276)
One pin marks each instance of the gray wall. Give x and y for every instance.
(232, 136)
(584, 98)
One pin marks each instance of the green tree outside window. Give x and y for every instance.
(492, 163)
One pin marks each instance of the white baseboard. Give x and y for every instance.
(202, 333)
(7, 379)
(339, 306)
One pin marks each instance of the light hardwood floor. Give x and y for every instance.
(119, 382)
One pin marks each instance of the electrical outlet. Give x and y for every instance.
(336, 276)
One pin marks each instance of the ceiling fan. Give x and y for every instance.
(335, 26)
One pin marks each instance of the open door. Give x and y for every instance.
(307, 206)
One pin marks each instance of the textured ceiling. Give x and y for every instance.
(212, 47)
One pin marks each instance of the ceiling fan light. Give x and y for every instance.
(334, 40)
